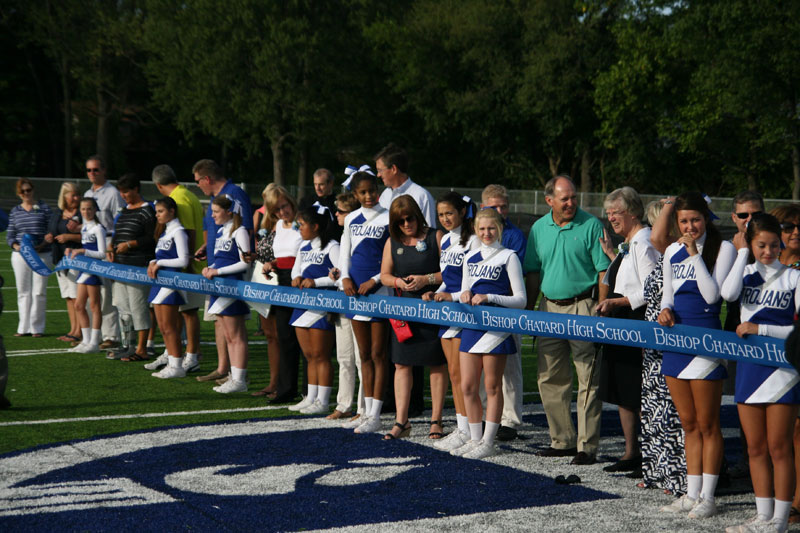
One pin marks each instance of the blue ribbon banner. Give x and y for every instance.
(641, 334)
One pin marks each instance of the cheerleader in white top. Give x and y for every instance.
(231, 243)
(93, 242)
(365, 233)
(492, 275)
(318, 255)
(767, 396)
(694, 268)
(456, 214)
(172, 255)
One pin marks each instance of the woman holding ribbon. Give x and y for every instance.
(32, 218)
(621, 366)
(695, 267)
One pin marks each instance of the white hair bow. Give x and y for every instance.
(350, 171)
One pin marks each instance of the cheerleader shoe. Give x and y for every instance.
(703, 509)
(353, 422)
(755, 525)
(454, 440)
(162, 360)
(170, 372)
(86, 348)
(190, 364)
(232, 385)
(481, 451)
(316, 408)
(371, 424)
(305, 402)
(684, 504)
(466, 448)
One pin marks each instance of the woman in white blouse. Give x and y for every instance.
(621, 368)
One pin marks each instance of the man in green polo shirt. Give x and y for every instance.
(190, 214)
(564, 259)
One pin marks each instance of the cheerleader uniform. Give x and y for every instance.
(365, 232)
(694, 297)
(768, 296)
(93, 241)
(227, 260)
(451, 264)
(315, 262)
(495, 271)
(172, 255)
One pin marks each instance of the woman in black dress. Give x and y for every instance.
(410, 265)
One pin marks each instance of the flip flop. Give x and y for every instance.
(135, 358)
(68, 338)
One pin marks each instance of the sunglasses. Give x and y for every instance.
(742, 216)
(342, 211)
(92, 170)
(25, 191)
(407, 220)
(788, 227)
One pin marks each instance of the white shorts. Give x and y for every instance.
(194, 300)
(67, 283)
(208, 317)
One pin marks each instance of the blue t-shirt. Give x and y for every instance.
(235, 192)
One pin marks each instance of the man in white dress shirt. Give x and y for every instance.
(391, 164)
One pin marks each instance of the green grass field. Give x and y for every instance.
(58, 396)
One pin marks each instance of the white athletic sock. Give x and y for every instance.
(151, 343)
(781, 514)
(463, 424)
(175, 362)
(709, 487)
(324, 395)
(476, 431)
(693, 484)
(368, 406)
(238, 374)
(490, 432)
(96, 336)
(765, 507)
(191, 358)
(312, 393)
(377, 406)
(86, 335)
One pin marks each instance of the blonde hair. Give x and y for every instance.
(66, 187)
(488, 212)
(493, 190)
(272, 195)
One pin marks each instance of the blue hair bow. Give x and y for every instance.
(467, 199)
(707, 198)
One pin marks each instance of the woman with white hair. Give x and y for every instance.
(621, 368)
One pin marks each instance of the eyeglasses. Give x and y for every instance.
(742, 216)
(407, 220)
(25, 191)
(342, 211)
(92, 170)
(788, 227)
(379, 170)
(201, 178)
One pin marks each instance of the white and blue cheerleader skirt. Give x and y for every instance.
(686, 366)
(226, 306)
(479, 341)
(757, 383)
(359, 276)
(165, 296)
(312, 319)
(84, 278)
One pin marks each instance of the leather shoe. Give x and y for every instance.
(555, 452)
(624, 465)
(583, 459)
(283, 398)
(505, 434)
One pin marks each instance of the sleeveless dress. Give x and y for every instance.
(172, 254)
(364, 236)
(423, 348)
(315, 263)
(451, 264)
(226, 253)
(93, 240)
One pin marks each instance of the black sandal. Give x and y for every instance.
(435, 435)
(405, 431)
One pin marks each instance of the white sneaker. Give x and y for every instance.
(466, 448)
(454, 440)
(316, 408)
(160, 361)
(170, 372)
(190, 365)
(482, 450)
(371, 424)
(232, 385)
(703, 509)
(755, 525)
(353, 422)
(305, 402)
(86, 348)
(684, 504)
(76, 349)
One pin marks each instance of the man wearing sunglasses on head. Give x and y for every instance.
(110, 202)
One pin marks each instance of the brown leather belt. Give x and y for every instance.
(575, 299)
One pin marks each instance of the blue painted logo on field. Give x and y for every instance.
(258, 475)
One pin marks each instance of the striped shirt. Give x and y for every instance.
(33, 222)
(138, 225)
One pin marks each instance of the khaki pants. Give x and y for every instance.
(555, 384)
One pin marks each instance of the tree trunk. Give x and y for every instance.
(67, 117)
(751, 182)
(302, 169)
(796, 173)
(586, 176)
(554, 163)
(103, 119)
(277, 159)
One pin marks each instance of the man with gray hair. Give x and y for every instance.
(565, 259)
(190, 215)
